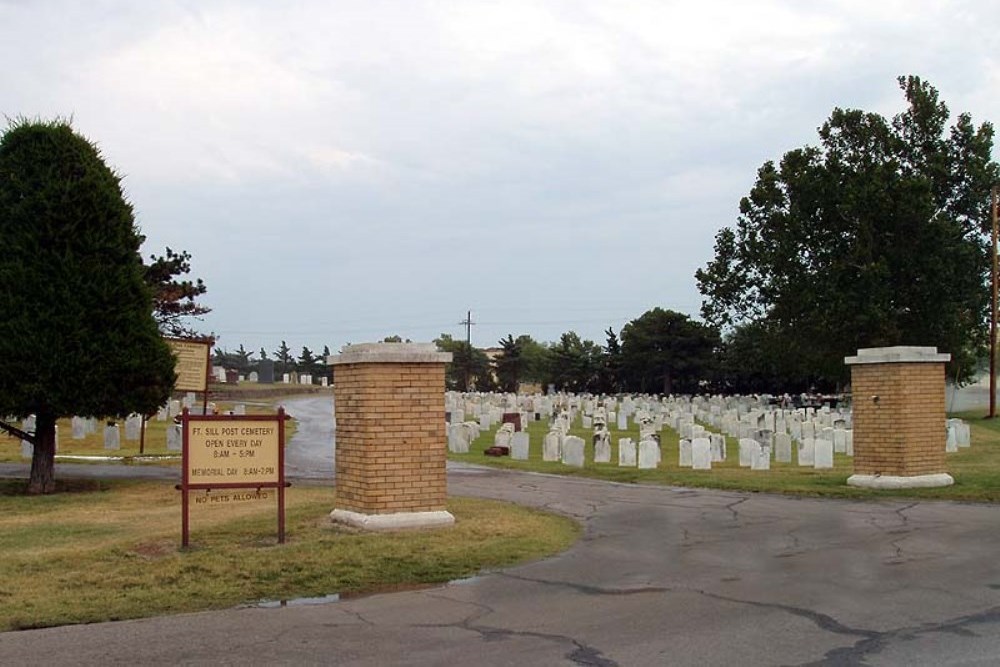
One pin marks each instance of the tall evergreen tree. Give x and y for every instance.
(77, 335)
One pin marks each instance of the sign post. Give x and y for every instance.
(232, 452)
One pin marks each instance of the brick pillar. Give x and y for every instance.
(899, 417)
(391, 437)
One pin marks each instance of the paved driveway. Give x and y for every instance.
(662, 576)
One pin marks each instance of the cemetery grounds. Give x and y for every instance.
(976, 469)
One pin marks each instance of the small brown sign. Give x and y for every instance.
(192, 362)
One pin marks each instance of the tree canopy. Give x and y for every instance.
(174, 297)
(77, 335)
(875, 237)
(666, 351)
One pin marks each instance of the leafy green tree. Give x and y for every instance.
(575, 364)
(666, 351)
(509, 365)
(466, 358)
(876, 237)
(77, 336)
(173, 298)
(534, 359)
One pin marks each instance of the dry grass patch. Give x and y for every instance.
(101, 551)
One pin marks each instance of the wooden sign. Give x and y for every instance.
(233, 452)
(192, 362)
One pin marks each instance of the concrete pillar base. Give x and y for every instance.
(392, 521)
(897, 482)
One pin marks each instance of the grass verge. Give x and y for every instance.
(976, 469)
(109, 550)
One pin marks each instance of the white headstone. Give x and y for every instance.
(572, 451)
(240, 409)
(626, 453)
(112, 440)
(27, 449)
(839, 440)
(175, 437)
(458, 439)
(718, 447)
(552, 446)
(602, 449)
(823, 456)
(701, 454)
(622, 421)
(761, 458)
(782, 448)
(684, 458)
(519, 446)
(747, 448)
(588, 422)
(849, 442)
(79, 426)
(649, 454)
(807, 452)
(133, 427)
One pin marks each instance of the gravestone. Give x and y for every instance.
(782, 448)
(27, 449)
(133, 427)
(254, 376)
(588, 422)
(622, 421)
(718, 447)
(552, 446)
(701, 454)
(626, 453)
(79, 426)
(112, 439)
(458, 439)
(265, 371)
(519, 446)
(823, 455)
(807, 452)
(684, 454)
(602, 450)
(761, 458)
(572, 451)
(240, 409)
(649, 454)
(747, 447)
(175, 437)
(840, 440)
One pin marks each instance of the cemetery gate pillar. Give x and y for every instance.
(391, 438)
(899, 417)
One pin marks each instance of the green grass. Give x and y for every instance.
(976, 469)
(109, 550)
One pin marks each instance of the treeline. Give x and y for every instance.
(284, 360)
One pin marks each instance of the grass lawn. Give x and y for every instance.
(976, 469)
(102, 550)
(154, 446)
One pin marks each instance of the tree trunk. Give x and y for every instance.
(668, 384)
(43, 458)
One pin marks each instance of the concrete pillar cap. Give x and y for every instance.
(900, 354)
(389, 353)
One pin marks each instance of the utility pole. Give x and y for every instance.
(994, 195)
(468, 348)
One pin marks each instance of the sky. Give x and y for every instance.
(345, 171)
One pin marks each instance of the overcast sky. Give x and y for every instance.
(345, 171)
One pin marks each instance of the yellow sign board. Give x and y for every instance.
(232, 451)
(192, 363)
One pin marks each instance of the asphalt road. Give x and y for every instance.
(662, 576)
